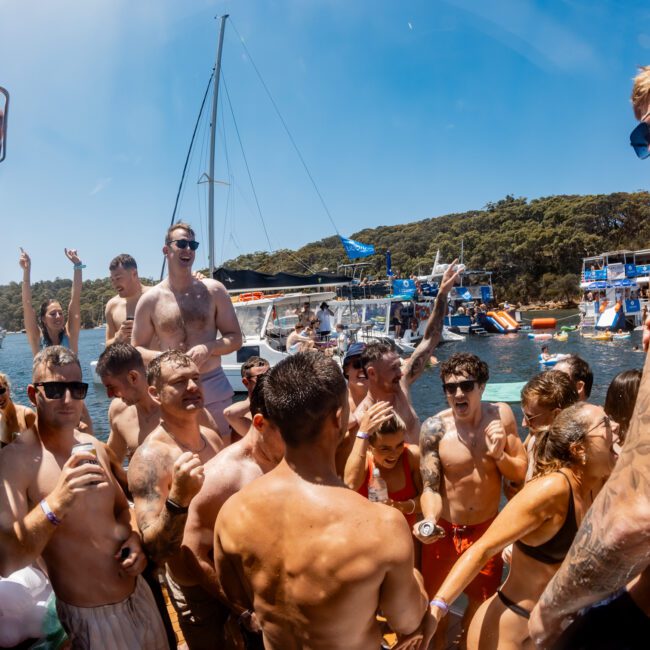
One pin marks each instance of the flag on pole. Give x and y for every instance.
(356, 249)
(389, 265)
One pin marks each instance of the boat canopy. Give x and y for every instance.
(245, 280)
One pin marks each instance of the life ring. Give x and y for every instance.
(255, 295)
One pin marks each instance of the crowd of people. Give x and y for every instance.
(263, 522)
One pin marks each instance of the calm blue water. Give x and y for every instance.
(510, 357)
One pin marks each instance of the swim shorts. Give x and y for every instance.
(439, 557)
(217, 395)
(614, 623)
(132, 624)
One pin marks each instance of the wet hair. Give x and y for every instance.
(621, 399)
(553, 446)
(179, 225)
(465, 363)
(552, 389)
(394, 424)
(375, 351)
(119, 358)
(174, 357)
(41, 322)
(300, 392)
(54, 356)
(641, 91)
(579, 370)
(252, 362)
(257, 402)
(124, 260)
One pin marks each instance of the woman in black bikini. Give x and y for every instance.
(573, 457)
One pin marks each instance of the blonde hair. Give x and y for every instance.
(4, 379)
(641, 92)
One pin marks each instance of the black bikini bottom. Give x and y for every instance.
(512, 606)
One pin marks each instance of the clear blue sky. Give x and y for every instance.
(403, 110)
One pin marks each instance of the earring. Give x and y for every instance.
(583, 459)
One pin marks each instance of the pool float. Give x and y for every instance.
(540, 337)
(603, 336)
(569, 328)
(622, 337)
(552, 360)
(544, 323)
(561, 337)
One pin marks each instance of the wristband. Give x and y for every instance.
(79, 266)
(51, 517)
(412, 501)
(363, 435)
(441, 604)
(175, 508)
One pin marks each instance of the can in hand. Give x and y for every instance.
(86, 447)
(429, 529)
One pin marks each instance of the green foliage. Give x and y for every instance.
(94, 296)
(534, 248)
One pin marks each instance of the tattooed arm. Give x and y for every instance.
(418, 360)
(154, 478)
(611, 546)
(431, 434)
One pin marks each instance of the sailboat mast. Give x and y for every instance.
(213, 131)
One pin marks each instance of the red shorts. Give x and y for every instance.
(438, 559)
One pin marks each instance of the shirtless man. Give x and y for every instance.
(238, 465)
(186, 314)
(166, 471)
(133, 413)
(308, 555)
(120, 309)
(609, 556)
(466, 451)
(69, 510)
(388, 380)
(298, 340)
(239, 414)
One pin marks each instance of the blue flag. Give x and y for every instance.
(356, 249)
(389, 265)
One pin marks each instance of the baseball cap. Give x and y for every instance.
(355, 350)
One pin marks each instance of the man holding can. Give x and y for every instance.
(69, 509)
(465, 452)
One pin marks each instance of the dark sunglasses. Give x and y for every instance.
(3, 390)
(56, 389)
(466, 386)
(184, 243)
(640, 140)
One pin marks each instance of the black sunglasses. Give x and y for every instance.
(466, 386)
(56, 389)
(184, 243)
(640, 140)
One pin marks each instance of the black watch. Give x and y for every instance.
(175, 508)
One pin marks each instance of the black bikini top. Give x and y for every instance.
(555, 549)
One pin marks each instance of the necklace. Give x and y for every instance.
(180, 444)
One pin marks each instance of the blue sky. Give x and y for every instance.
(403, 110)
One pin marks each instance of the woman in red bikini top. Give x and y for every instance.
(380, 443)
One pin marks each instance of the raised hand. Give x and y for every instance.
(71, 254)
(24, 261)
(495, 439)
(188, 478)
(449, 278)
(375, 416)
(79, 474)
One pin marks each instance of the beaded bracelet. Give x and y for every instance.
(51, 517)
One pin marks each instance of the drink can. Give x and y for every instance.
(85, 447)
(429, 529)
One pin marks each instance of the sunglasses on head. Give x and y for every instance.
(184, 243)
(640, 140)
(466, 386)
(56, 389)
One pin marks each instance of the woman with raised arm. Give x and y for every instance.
(51, 326)
(572, 457)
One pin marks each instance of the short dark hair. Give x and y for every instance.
(54, 356)
(118, 358)
(394, 424)
(179, 225)
(375, 351)
(252, 362)
(579, 370)
(552, 389)
(176, 357)
(257, 402)
(467, 364)
(300, 392)
(124, 260)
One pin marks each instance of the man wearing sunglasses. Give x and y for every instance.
(466, 451)
(194, 316)
(609, 559)
(69, 509)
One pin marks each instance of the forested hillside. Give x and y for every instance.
(533, 247)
